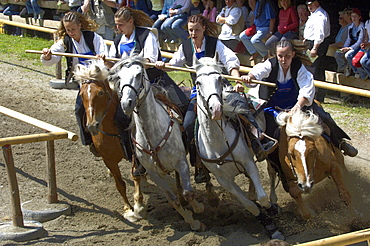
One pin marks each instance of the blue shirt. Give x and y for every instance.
(267, 14)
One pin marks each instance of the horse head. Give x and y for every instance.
(95, 93)
(209, 85)
(131, 82)
(302, 129)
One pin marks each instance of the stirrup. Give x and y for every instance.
(273, 147)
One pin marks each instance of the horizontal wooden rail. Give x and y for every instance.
(27, 26)
(35, 122)
(341, 240)
(33, 138)
(320, 84)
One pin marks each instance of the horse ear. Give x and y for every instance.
(216, 57)
(97, 69)
(195, 61)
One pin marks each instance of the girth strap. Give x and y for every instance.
(154, 152)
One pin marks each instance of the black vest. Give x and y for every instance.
(188, 50)
(89, 39)
(140, 36)
(266, 92)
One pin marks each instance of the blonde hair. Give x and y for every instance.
(138, 16)
(289, 3)
(72, 16)
(211, 27)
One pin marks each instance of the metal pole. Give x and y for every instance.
(51, 173)
(13, 186)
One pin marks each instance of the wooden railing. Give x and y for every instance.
(52, 133)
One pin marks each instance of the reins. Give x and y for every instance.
(111, 99)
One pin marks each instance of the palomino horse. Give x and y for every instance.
(101, 103)
(307, 158)
(222, 147)
(157, 135)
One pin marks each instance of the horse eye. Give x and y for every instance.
(101, 93)
(197, 83)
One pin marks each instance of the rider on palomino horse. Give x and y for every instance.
(295, 91)
(203, 43)
(76, 37)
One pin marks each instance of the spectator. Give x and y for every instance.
(34, 8)
(101, 12)
(316, 35)
(157, 6)
(365, 61)
(143, 5)
(250, 19)
(178, 16)
(303, 14)
(162, 17)
(196, 8)
(339, 42)
(210, 10)
(288, 25)
(10, 10)
(232, 23)
(245, 11)
(356, 36)
(74, 5)
(76, 37)
(264, 19)
(347, 15)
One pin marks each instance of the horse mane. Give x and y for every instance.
(300, 124)
(114, 76)
(95, 69)
(210, 62)
(231, 106)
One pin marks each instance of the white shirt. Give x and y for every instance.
(81, 47)
(317, 27)
(232, 15)
(226, 55)
(150, 50)
(304, 79)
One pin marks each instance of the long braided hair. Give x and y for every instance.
(72, 16)
(138, 16)
(211, 27)
(299, 51)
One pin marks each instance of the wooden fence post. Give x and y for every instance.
(51, 173)
(17, 216)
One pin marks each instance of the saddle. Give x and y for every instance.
(172, 109)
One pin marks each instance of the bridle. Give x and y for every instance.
(141, 92)
(111, 99)
(290, 160)
(206, 102)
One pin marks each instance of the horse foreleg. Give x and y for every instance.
(184, 173)
(336, 174)
(180, 190)
(251, 190)
(213, 199)
(139, 209)
(296, 193)
(121, 187)
(254, 175)
(272, 175)
(175, 203)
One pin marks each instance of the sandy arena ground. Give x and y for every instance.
(96, 219)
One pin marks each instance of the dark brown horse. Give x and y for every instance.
(101, 103)
(307, 157)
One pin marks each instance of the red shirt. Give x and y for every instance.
(288, 20)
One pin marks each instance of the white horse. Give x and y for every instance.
(222, 148)
(157, 136)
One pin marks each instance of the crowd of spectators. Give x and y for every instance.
(252, 26)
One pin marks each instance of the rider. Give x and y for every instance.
(135, 37)
(76, 36)
(295, 90)
(204, 44)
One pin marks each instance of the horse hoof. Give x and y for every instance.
(198, 226)
(277, 235)
(139, 212)
(130, 216)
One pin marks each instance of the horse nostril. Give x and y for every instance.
(300, 186)
(129, 102)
